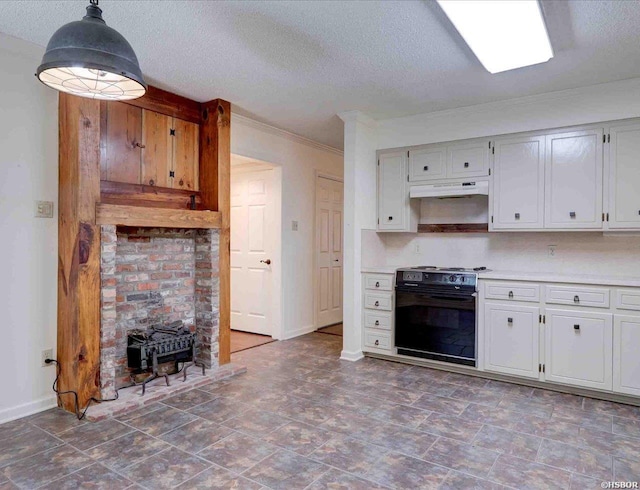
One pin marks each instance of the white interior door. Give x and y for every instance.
(328, 276)
(251, 245)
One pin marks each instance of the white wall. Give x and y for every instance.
(28, 290)
(576, 253)
(608, 101)
(360, 136)
(299, 160)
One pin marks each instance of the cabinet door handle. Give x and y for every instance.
(390, 218)
(377, 284)
(510, 320)
(517, 215)
(510, 294)
(425, 168)
(572, 214)
(377, 342)
(576, 299)
(377, 303)
(466, 164)
(377, 323)
(576, 327)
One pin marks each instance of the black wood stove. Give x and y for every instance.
(160, 344)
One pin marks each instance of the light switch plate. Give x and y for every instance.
(294, 226)
(44, 209)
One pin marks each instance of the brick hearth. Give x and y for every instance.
(154, 277)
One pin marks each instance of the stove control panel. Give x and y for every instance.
(435, 278)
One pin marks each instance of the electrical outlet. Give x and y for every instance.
(551, 250)
(416, 249)
(47, 354)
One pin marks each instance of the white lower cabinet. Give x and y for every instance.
(626, 354)
(512, 339)
(377, 312)
(578, 348)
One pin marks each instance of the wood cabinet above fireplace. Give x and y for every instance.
(141, 146)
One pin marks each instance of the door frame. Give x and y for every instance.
(277, 332)
(321, 175)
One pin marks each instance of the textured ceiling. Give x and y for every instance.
(297, 64)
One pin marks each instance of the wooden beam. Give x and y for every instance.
(215, 190)
(454, 228)
(114, 214)
(78, 349)
(169, 104)
(147, 195)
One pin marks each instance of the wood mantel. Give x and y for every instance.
(116, 214)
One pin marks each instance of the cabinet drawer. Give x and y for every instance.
(382, 282)
(512, 291)
(628, 299)
(570, 295)
(378, 301)
(376, 339)
(374, 319)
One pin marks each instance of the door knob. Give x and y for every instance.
(268, 261)
(336, 260)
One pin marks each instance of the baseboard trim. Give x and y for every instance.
(26, 409)
(298, 332)
(352, 356)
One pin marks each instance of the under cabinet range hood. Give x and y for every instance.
(471, 188)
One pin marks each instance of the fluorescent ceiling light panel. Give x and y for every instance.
(503, 34)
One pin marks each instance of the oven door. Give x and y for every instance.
(439, 325)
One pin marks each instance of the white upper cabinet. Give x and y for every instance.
(428, 163)
(450, 161)
(624, 176)
(574, 180)
(518, 183)
(395, 212)
(468, 159)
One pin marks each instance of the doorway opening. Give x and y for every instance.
(256, 201)
(328, 254)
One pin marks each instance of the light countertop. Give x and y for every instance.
(623, 281)
(628, 281)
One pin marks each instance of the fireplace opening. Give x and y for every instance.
(157, 283)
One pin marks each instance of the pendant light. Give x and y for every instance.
(90, 59)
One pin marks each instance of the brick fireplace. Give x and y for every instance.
(152, 277)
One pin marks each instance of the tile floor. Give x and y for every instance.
(301, 418)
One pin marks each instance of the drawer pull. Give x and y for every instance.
(576, 327)
(377, 342)
(425, 168)
(576, 299)
(466, 164)
(572, 214)
(511, 294)
(377, 303)
(377, 284)
(510, 321)
(517, 215)
(390, 218)
(377, 323)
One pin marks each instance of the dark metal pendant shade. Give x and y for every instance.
(90, 59)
